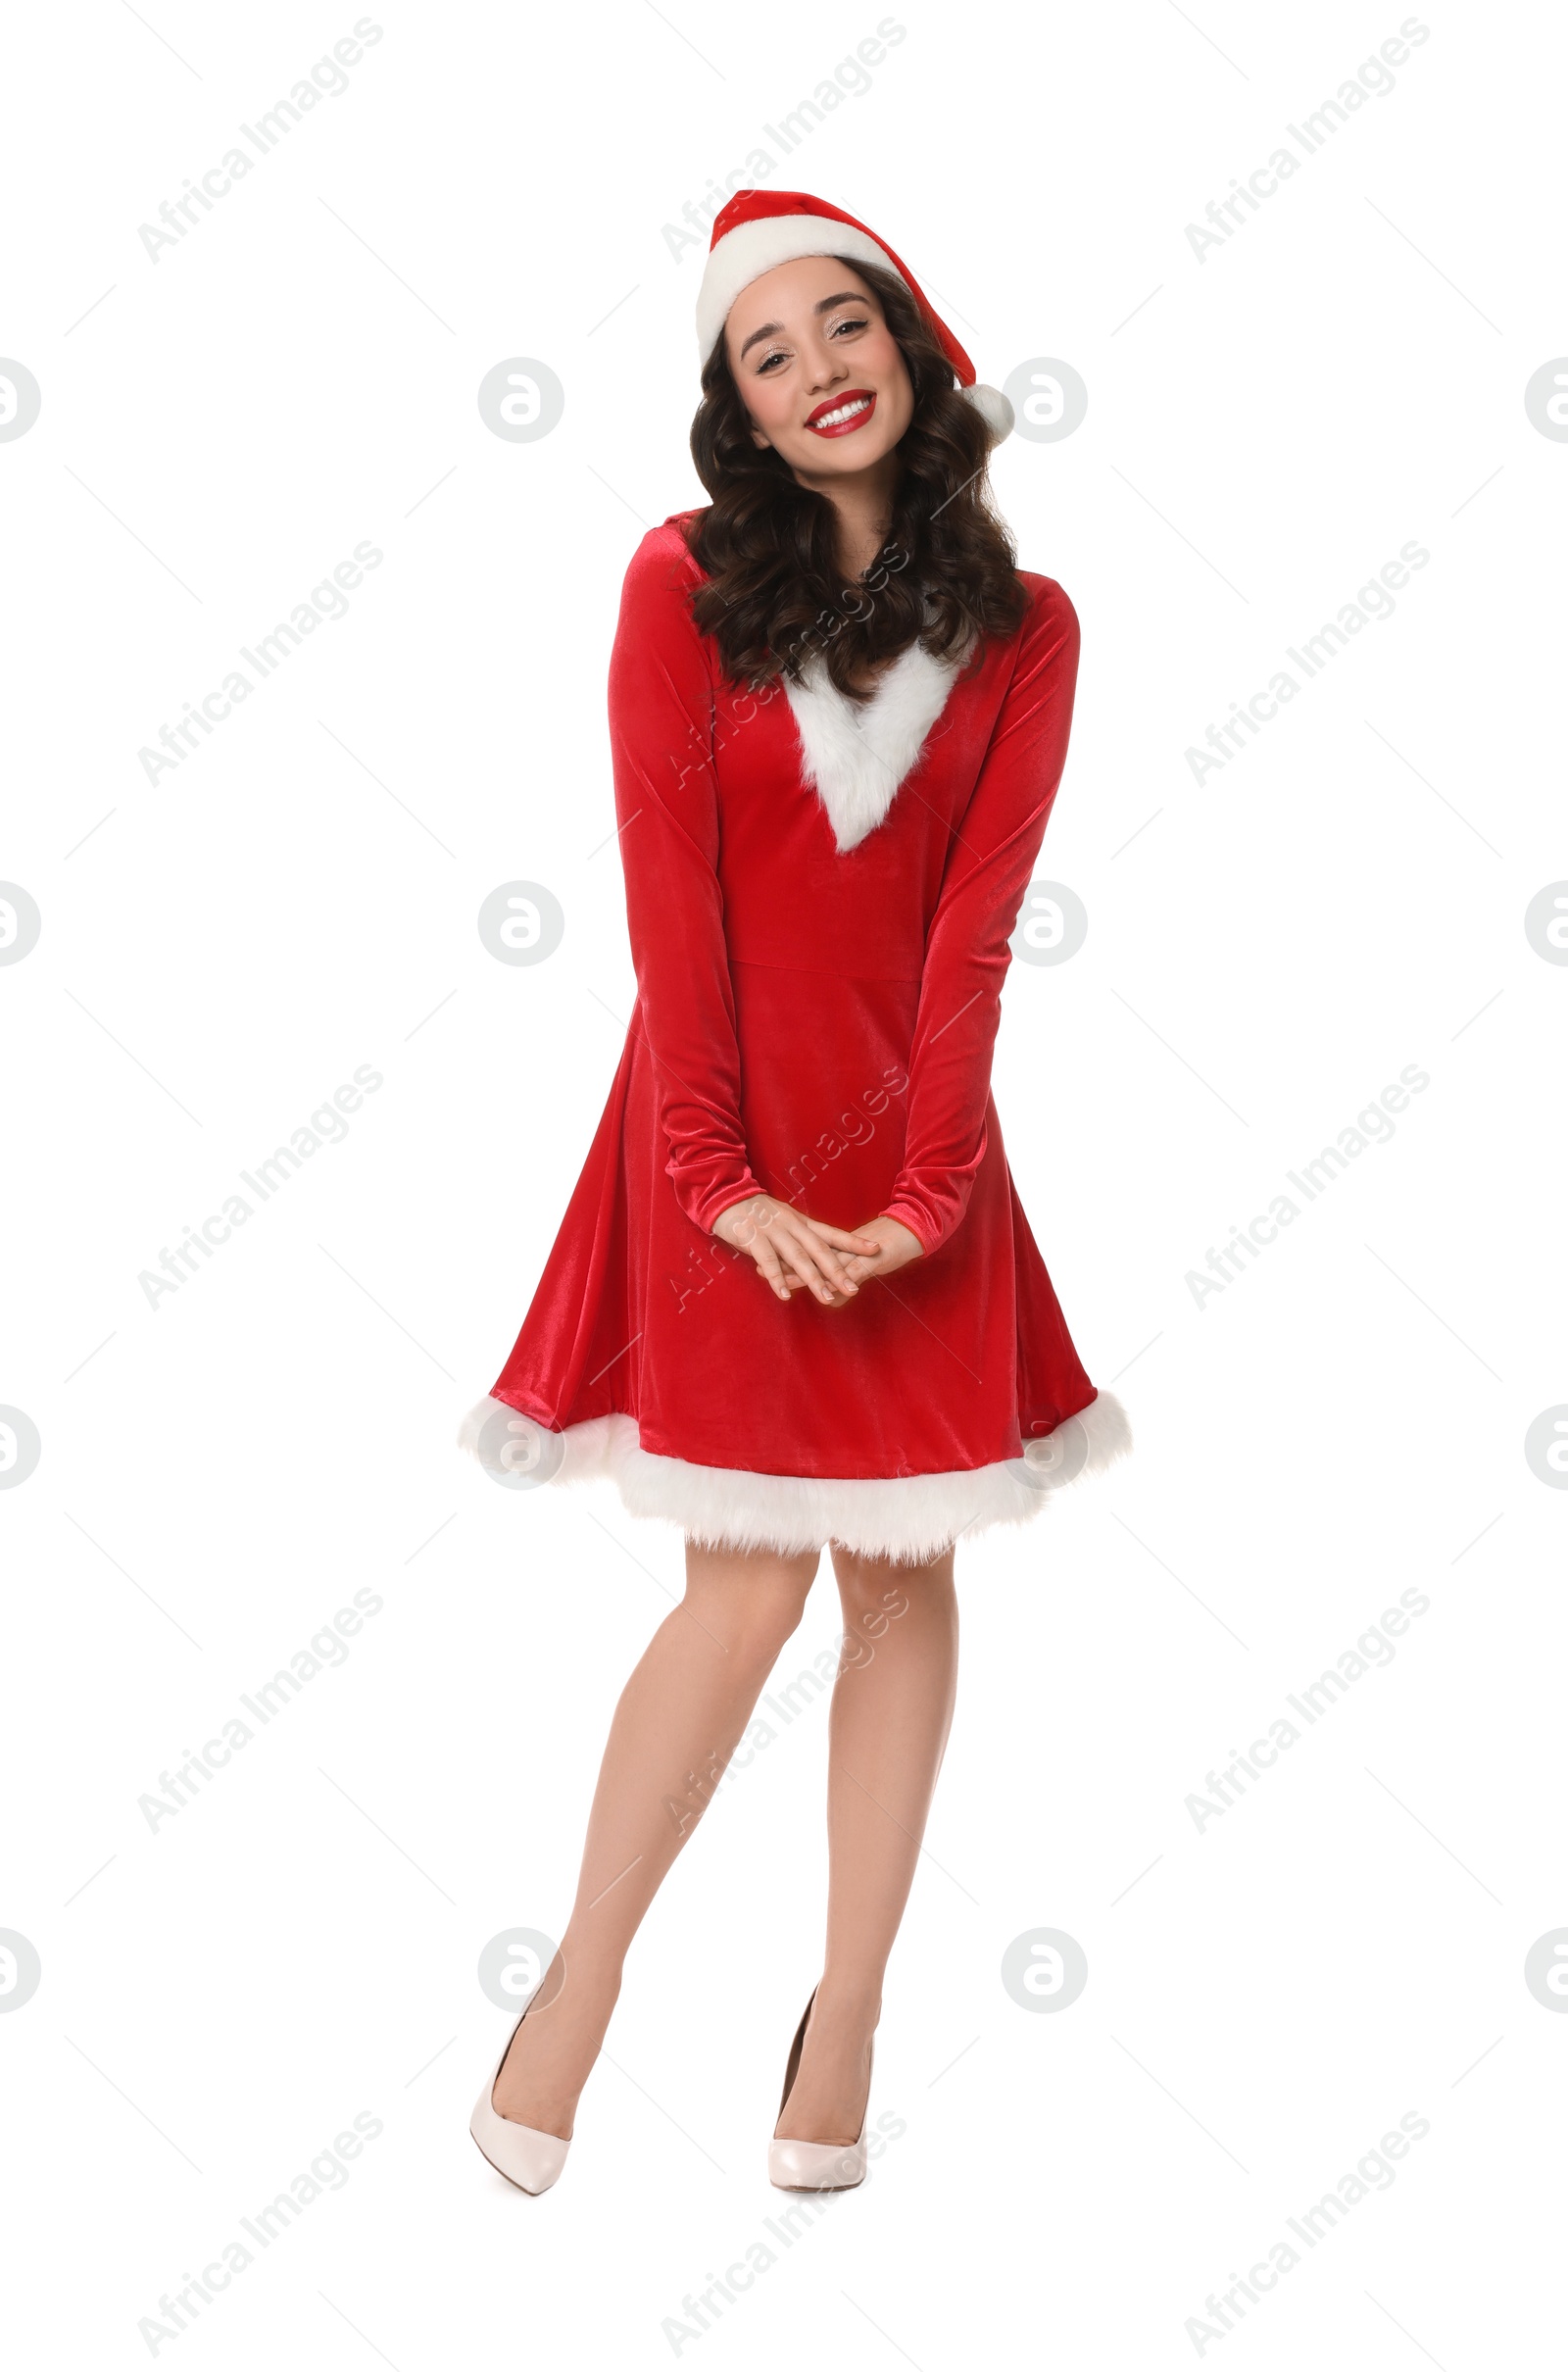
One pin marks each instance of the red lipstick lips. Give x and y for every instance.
(842, 412)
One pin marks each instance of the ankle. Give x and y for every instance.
(580, 1982)
(847, 2001)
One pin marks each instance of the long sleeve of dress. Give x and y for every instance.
(967, 947)
(666, 808)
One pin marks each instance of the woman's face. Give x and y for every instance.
(820, 371)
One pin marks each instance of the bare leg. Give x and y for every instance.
(680, 1717)
(892, 1710)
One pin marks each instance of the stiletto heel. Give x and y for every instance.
(529, 2159)
(816, 2165)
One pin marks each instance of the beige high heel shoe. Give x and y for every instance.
(529, 2159)
(816, 2165)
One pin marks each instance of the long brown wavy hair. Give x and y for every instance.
(775, 593)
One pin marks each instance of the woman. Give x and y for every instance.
(795, 1301)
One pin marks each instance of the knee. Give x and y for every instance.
(763, 1628)
(876, 1593)
(756, 1604)
(872, 1589)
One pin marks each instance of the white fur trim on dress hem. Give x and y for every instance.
(908, 1518)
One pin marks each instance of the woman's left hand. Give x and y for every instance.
(897, 1244)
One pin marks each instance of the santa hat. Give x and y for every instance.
(761, 228)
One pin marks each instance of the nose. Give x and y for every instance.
(825, 369)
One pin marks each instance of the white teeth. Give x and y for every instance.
(845, 412)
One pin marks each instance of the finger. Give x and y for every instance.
(834, 1247)
(795, 1269)
(810, 1245)
(768, 1265)
(857, 1264)
(771, 1251)
(847, 1239)
(824, 1295)
(822, 1269)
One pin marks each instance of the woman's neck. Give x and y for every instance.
(864, 504)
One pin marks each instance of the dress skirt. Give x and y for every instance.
(821, 906)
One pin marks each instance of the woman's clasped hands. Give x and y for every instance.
(793, 1252)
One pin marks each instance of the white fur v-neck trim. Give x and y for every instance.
(856, 756)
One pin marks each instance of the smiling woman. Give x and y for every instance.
(809, 494)
(795, 1302)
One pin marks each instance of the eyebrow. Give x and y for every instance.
(770, 329)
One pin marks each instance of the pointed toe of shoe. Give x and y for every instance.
(531, 2160)
(815, 2166)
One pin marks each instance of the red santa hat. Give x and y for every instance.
(761, 228)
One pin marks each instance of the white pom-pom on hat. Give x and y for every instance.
(994, 409)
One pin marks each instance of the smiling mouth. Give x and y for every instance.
(844, 414)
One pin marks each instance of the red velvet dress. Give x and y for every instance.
(819, 964)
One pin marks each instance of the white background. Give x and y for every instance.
(1268, 948)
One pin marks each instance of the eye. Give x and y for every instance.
(768, 360)
(850, 321)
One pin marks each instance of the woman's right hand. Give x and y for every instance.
(790, 1250)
